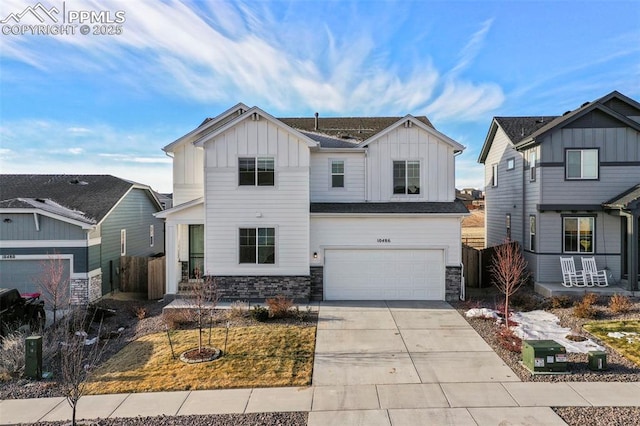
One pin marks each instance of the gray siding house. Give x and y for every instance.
(568, 186)
(85, 221)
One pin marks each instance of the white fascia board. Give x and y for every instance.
(456, 146)
(164, 213)
(61, 218)
(8, 244)
(247, 116)
(203, 128)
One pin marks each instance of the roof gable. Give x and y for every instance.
(92, 195)
(254, 113)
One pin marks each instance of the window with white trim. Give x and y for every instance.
(406, 177)
(508, 225)
(581, 164)
(256, 171)
(578, 234)
(151, 236)
(532, 165)
(337, 173)
(511, 163)
(257, 245)
(532, 233)
(123, 242)
(494, 175)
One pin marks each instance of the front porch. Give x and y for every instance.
(557, 289)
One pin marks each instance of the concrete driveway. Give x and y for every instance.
(384, 343)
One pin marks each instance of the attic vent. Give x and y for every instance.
(585, 104)
(541, 120)
(315, 121)
(240, 111)
(566, 113)
(78, 182)
(255, 116)
(40, 200)
(408, 124)
(522, 132)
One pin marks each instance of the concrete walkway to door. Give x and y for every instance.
(410, 363)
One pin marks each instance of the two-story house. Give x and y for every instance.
(568, 186)
(86, 222)
(315, 208)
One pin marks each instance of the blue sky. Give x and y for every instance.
(109, 103)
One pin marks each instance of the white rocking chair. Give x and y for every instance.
(594, 277)
(571, 277)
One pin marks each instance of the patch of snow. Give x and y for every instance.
(542, 325)
(481, 313)
(629, 335)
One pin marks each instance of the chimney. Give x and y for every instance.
(315, 122)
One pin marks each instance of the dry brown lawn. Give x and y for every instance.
(256, 356)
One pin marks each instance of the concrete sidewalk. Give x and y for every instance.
(377, 363)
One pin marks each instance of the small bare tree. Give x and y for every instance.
(509, 270)
(53, 283)
(203, 298)
(78, 355)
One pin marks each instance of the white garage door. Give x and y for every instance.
(384, 275)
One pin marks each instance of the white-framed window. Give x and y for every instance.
(151, 236)
(406, 177)
(581, 164)
(337, 173)
(578, 234)
(256, 171)
(532, 233)
(511, 163)
(533, 157)
(257, 245)
(494, 175)
(508, 225)
(123, 242)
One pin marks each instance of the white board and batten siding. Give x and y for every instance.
(436, 158)
(188, 173)
(229, 207)
(354, 177)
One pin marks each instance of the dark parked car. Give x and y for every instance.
(18, 310)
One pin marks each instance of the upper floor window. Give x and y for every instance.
(532, 233)
(494, 175)
(123, 242)
(337, 173)
(151, 236)
(258, 245)
(508, 225)
(581, 164)
(406, 177)
(256, 171)
(511, 163)
(532, 165)
(578, 234)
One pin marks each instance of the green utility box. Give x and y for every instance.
(33, 357)
(597, 360)
(546, 356)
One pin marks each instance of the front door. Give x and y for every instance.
(196, 251)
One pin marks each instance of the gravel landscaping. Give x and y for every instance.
(619, 368)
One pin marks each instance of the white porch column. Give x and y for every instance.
(172, 258)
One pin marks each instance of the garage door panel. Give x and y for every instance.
(384, 274)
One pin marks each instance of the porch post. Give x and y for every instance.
(632, 234)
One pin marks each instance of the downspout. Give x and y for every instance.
(366, 174)
(462, 283)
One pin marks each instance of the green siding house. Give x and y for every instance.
(87, 222)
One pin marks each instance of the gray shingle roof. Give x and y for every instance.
(357, 128)
(330, 142)
(519, 128)
(92, 195)
(393, 207)
(624, 200)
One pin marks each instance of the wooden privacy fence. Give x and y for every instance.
(477, 265)
(143, 275)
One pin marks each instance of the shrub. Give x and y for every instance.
(12, 355)
(525, 301)
(176, 318)
(508, 340)
(560, 302)
(590, 299)
(619, 304)
(584, 308)
(140, 312)
(279, 306)
(238, 309)
(260, 313)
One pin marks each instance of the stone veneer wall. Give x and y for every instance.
(79, 291)
(258, 288)
(95, 287)
(453, 278)
(317, 283)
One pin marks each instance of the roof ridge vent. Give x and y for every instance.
(77, 181)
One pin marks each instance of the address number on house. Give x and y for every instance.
(384, 240)
(8, 256)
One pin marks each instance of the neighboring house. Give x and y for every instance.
(165, 200)
(568, 186)
(324, 208)
(86, 221)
